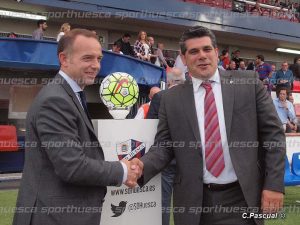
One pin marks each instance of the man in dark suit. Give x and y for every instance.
(65, 176)
(226, 137)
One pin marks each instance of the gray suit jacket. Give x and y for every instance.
(252, 127)
(65, 176)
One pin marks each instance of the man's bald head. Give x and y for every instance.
(175, 77)
(153, 91)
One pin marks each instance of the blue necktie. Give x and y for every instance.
(84, 104)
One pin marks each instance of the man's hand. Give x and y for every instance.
(271, 201)
(135, 170)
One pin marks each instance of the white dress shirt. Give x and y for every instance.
(228, 175)
(75, 87)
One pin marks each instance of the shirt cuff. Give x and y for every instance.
(125, 172)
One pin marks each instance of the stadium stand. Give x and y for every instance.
(8, 138)
(289, 13)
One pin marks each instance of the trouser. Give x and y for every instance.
(224, 207)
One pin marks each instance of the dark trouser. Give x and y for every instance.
(220, 207)
(167, 180)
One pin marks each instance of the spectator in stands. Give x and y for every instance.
(289, 14)
(236, 57)
(179, 64)
(264, 71)
(289, 4)
(274, 13)
(224, 59)
(12, 35)
(285, 110)
(116, 48)
(291, 98)
(242, 66)
(153, 56)
(284, 77)
(273, 76)
(38, 34)
(65, 28)
(251, 66)
(295, 68)
(143, 110)
(125, 45)
(232, 65)
(160, 61)
(256, 9)
(277, 3)
(141, 47)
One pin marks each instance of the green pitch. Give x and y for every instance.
(291, 202)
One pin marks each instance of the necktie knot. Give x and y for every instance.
(206, 85)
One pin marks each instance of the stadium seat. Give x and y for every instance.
(296, 86)
(296, 164)
(289, 178)
(228, 5)
(219, 3)
(297, 110)
(8, 138)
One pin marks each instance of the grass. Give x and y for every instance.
(292, 207)
(7, 202)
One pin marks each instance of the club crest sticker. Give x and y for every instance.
(130, 149)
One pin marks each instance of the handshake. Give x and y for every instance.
(134, 171)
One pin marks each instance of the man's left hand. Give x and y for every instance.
(271, 201)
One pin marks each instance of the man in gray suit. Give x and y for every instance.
(65, 176)
(223, 131)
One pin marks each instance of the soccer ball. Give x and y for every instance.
(119, 90)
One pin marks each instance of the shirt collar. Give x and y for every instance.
(75, 87)
(197, 82)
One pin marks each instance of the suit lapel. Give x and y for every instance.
(188, 101)
(227, 86)
(69, 90)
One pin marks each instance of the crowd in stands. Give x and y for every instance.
(144, 47)
(284, 10)
(280, 80)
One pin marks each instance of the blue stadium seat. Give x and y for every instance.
(296, 164)
(289, 178)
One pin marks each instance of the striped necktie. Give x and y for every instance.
(214, 157)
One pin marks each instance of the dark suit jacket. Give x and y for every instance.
(154, 105)
(72, 174)
(252, 127)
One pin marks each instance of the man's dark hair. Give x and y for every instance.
(117, 44)
(224, 52)
(126, 35)
(39, 22)
(296, 59)
(196, 32)
(261, 57)
(279, 89)
(66, 42)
